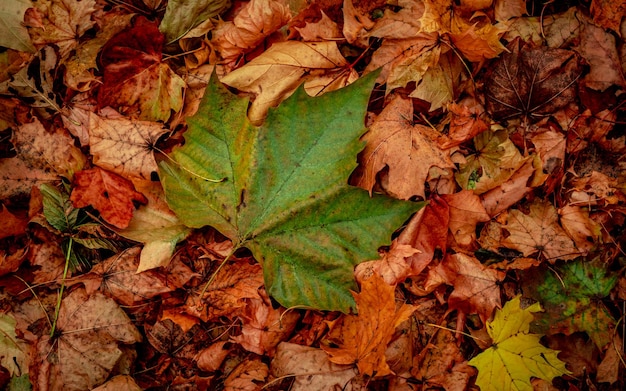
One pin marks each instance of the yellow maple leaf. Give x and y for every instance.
(515, 355)
(363, 338)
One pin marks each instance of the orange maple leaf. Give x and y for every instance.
(107, 192)
(362, 339)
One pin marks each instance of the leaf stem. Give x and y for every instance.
(206, 286)
(58, 306)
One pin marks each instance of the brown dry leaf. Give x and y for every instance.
(226, 295)
(508, 9)
(322, 30)
(310, 368)
(466, 211)
(119, 383)
(247, 376)
(277, 72)
(538, 233)
(362, 339)
(438, 85)
(476, 287)
(476, 41)
(510, 191)
(11, 261)
(584, 231)
(595, 189)
(264, 327)
(406, 149)
(10, 224)
(393, 267)
(136, 80)
(550, 145)
(109, 193)
(123, 146)
(49, 260)
(62, 23)
(532, 81)
(442, 364)
(427, 231)
(252, 24)
(608, 13)
(210, 359)
(465, 123)
(117, 278)
(401, 23)
(355, 23)
(90, 329)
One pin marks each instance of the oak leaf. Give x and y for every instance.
(281, 190)
(110, 194)
(515, 355)
(407, 150)
(538, 233)
(124, 146)
(135, 77)
(362, 339)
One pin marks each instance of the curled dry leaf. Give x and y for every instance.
(247, 375)
(407, 150)
(109, 193)
(532, 81)
(276, 73)
(256, 20)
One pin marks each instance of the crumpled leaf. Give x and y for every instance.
(135, 78)
(362, 339)
(257, 20)
(407, 150)
(280, 190)
(109, 193)
(13, 33)
(124, 146)
(63, 22)
(476, 41)
(532, 81)
(515, 355)
(183, 15)
(569, 293)
(91, 329)
(539, 233)
(277, 72)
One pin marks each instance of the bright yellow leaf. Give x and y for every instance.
(515, 355)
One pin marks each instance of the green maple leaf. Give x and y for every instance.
(284, 192)
(515, 355)
(570, 294)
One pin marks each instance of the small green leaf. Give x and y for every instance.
(58, 209)
(515, 355)
(570, 294)
(283, 191)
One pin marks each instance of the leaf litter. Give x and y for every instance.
(503, 117)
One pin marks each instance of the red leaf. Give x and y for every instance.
(107, 192)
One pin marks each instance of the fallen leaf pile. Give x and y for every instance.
(312, 195)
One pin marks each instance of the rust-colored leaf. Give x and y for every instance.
(109, 193)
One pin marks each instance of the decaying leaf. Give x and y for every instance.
(362, 339)
(532, 81)
(136, 81)
(515, 355)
